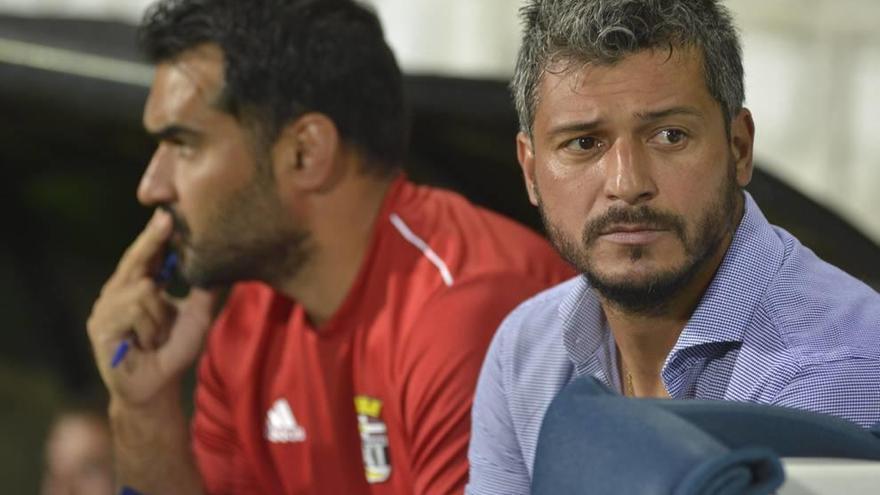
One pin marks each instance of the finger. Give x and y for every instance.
(145, 327)
(194, 317)
(106, 330)
(199, 304)
(163, 333)
(159, 309)
(112, 318)
(136, 260)
(121, 310)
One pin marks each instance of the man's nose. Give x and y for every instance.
(629, 173)
(157, 185)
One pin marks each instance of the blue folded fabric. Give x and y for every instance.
(788, 432)
(744, 471)
(875, 430)
(595, 442)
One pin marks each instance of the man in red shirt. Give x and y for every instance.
(345, 358)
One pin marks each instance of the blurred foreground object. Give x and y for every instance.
(696, 447)
(79, 457)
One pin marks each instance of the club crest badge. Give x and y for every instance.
(374, 438)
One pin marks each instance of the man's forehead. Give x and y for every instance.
(203, 64)
(193, 78)
(654, 65)
(652, 77)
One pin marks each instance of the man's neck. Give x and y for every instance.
(645, 340)
(341, 233)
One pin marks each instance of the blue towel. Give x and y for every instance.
(595, 442)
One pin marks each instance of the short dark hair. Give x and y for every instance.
(605, 31)
(284, 58)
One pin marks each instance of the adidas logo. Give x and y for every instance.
(281, 425)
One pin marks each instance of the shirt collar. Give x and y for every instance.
(583, 328)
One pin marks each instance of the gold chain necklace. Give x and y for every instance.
(628, 389)
(627, 378)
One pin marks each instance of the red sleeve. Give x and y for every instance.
(219, 456)
(442, 358)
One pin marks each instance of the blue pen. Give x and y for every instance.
(164, 275)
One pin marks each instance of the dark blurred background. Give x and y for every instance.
(71, 154)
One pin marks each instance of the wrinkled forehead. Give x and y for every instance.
(684, 62)
(642, 81)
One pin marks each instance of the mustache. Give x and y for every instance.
(180, 226)
(641, 215)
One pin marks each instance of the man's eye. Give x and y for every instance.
(583, 144)
(671, 136)
(183, 149)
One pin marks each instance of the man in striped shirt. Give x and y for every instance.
(635, 146)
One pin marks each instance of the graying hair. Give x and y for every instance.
(603, 32)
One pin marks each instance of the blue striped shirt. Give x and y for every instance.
(777, 325)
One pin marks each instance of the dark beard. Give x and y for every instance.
(248, 240)
(270, 260)
(652, 296)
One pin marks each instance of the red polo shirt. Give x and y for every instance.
(377, 401)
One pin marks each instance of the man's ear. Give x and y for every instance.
(525, 153)
(304, 155)
(742, 142)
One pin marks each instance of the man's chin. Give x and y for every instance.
(642, 272)
(196, 274)
(207, 279)
(640, 291)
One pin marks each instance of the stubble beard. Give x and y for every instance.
(248, 237)
(651, 295)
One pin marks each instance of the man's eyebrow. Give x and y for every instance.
(173, 132)
(669, 112)
(592, 125)
(575, 127)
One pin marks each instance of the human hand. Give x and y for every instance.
(165, 333)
